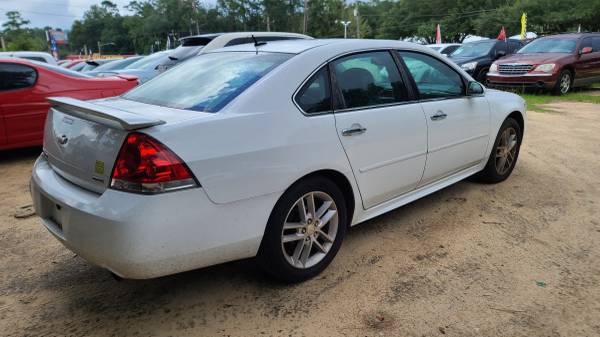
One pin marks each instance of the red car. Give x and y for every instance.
(557, 63)
(24, 87)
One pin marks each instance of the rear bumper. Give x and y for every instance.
(145, 236)
(527, 81)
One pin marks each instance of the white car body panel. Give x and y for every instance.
(221, 40)
(246, 155)
(31, 55)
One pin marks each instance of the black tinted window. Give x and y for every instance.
(434, 78)
(240, 40)
(16, 76)
(513, 47)
(369, 79)
(315, 95)
(596, 43)
(587, 42)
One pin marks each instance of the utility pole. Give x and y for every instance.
(357, 16)
(305, 16)
(268, 23)
(2, 43)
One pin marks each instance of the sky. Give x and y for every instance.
(55, 13)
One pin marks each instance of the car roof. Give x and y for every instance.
(442, 44)
(300, 45)
(569, 35)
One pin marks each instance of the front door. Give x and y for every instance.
(383, 132)
(23, 110)
(458, 125)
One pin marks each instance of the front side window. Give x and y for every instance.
(434, 79)
(16, 76)
(315, 95)
(210, 80)
(369, 79)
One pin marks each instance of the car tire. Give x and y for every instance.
(314, 240)
(564, 83)
(504, 154)
(482, 76)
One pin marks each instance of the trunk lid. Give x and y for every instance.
(82, 139)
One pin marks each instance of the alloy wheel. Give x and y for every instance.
(310, 229)
(565, 83)
(506, 150)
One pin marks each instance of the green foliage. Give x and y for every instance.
(535, 102)
(151, 22)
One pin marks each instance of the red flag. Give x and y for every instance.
(438, 35)
(502, 35)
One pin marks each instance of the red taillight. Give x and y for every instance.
(144, 165)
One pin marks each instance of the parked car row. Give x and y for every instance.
(26, 82)
(554, 63)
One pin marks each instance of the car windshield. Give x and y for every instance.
(116, 65)
(61, 70)
(149, 62)
(549, 46)
(474, 49)
(212, 80)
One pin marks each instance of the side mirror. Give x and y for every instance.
(474, 89)
(585, 50)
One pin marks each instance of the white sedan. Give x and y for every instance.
(271, 151)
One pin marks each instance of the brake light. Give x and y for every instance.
(144, 165)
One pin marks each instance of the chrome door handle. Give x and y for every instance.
(355, 129)
(438, 116)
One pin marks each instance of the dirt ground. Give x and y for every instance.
(521, 258)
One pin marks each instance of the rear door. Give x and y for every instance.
(383, 131)
(596, 58)
(24, 109)
(458, 129)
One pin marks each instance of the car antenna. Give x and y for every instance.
(257, 43)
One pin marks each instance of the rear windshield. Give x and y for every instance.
(149, 62)
(58, 69)
(549, 46)
(206, 82)
(116, 65)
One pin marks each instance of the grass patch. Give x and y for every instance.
(535, 100)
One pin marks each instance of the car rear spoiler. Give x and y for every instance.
(116, 118)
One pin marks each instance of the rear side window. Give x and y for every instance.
(513, 47)
(369, 79)
(211, 80)
(33, 58)
(315, 95)
(240, 40)
(243, 40)
(16, 76)
(587, 42)
(434, 78)
(596, 43)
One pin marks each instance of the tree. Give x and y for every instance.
(15, 21)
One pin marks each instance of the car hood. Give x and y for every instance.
(534, 58)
